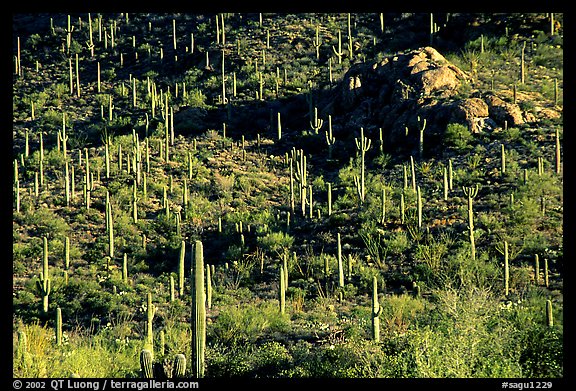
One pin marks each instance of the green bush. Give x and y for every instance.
(458, 136)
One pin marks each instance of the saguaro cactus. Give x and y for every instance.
(339, 52)
(506, 270)
(421, 127)
(471, 192)
(198, 320)
(376, 311)
(330, 139)
(316, 123)
(537, 269)
(549, 315)
(43, 284)
(557, 152)
(125, 268)
(363, 144)
(502, 159)
(146, 364)
(282, 291)
(208, 287)
(340, 264)
(150, 311)
(419, 206)
(58, 326)
(181, 269)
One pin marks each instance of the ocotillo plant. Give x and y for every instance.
(198, 319)
(376, 311)
(58, 326)
(549, 315)
(471, 192)
(44, 283)
(363, 144)
(150, 311)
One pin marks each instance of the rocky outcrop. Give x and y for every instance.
(392, 93)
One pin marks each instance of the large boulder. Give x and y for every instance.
(392, 93)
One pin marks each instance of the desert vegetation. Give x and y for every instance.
(365, 195)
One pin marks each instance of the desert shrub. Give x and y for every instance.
(275, 242)
(247, 323)
(458, 136)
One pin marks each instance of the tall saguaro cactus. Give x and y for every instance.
(363, 144)
(181, 269)
(471, 193)
(150, 311)
(376, 311)
(421, 127)
(198, 320)
(549, 315)
(44, 283)
(506, 270)
(282, 291)
(58, 326)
